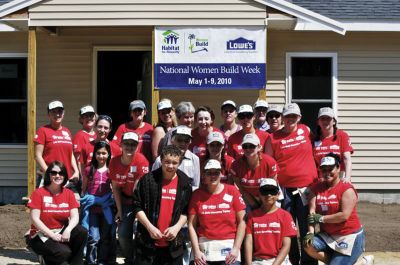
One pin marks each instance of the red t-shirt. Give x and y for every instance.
(57, 145)
(216, 213)
(329, 202)
(328, 145)
(234, 144)
(168, 196)
(268, 231)
(54, 209)
(198, 146)
(225, 171)
(81, 138)
(144, 133)
(87, 152)
(251, 178)
(293, 153)
(126, 176)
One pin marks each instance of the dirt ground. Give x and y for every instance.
(381, 223)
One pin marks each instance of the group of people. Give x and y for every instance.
(187, 192)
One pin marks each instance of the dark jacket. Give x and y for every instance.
(147, 198)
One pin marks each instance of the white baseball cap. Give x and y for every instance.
(164, 104)
(183, 130)
(268, 182)
(55, 104)
(327, 161)
(228, 102)
(213, 164)
(245, 108)
(326, 112)
(275, 108)
(251, 138)
(215, 137)
(260, 103)
(291, 108)
(86, 109)
(130, 136)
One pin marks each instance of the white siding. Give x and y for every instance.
(368, 95)
(151, 12)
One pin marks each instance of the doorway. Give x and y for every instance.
(122, 76)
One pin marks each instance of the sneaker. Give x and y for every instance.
(368, 260)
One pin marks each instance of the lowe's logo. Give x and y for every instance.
(240, 44)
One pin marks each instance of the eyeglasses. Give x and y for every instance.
(104, 117)
(271, 116)
(212, 173)
(248, 146)
(327, 168)
(55, 173)
(245, 115)
(182, 140)
(269, 192)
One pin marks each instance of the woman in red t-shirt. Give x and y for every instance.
(55, 233)
(216, 220)
(204, 118)
(329, 139)
(216, 150)
(291, 147)
(54, 142)
(333, 207)
(248, 171)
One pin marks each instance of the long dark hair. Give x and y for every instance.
(223, 160)
(63, 172)
(94, 164)
(318, 132)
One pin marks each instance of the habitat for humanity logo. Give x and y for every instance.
(241, 44)
(197, 44)
(170, 40)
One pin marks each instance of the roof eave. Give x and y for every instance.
(305, 14)
(16, 5)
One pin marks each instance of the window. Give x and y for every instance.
(13, 100)
(311, 83)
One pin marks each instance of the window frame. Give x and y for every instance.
(15, 56)
(332, 55)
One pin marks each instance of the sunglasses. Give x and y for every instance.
(245, 115)
(327, 168)
(271, 116)
(212, 173)
(104, 117)
(248, 146)
(55, 173)
(182, 140)
(269, 192)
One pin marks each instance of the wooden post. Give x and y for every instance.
(155, 94)
(31, 108)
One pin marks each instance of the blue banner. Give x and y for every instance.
(210, 76)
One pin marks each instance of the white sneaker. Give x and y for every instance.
(368, 260)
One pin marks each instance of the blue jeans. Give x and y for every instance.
(126, 229)
(294, 205)
(337, 258)
(101, 244)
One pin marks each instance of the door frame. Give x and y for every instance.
(95, 51)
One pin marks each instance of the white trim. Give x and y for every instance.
(16, 146)
(16, 5)
(352, 25)
(95, 51)
(305, 14)
(14, 55)
(332, 55)
(6, 28)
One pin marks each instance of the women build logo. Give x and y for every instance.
(170, 42)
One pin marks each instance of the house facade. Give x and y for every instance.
(102, 53)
